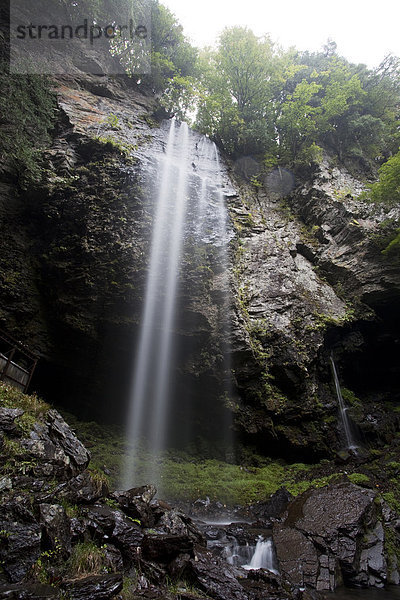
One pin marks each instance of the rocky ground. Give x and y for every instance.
(64, 534)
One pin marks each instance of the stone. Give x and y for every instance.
(7, 418)
(82, 488)
(331, 536)
(56, 531)
(274, 507)
(19, 539)
(136, 503)
(28, 591)
(176, 523)
(94, 587)
(55, 448)
(110, 525)
(165, 547)
(214, 577)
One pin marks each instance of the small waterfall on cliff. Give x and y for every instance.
(188, 217)
(260, 556)
(350, 441)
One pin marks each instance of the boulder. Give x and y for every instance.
(28, 591)
(110, 525)
(82, 488)
(136, 503)
(56, 530)
(331, 536)
(215, 577)
(55, 448)
(165, 547)
(274, 507)
(19, 539)
(8, 416)
(94, 587)
(176, 523)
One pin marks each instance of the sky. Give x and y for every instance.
(364, 31)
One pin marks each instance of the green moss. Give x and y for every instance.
(392, 500)
(27, 106)
(359, 478)
(11, 397)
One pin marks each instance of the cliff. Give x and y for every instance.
(307, 273)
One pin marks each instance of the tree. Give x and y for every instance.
(387, 189)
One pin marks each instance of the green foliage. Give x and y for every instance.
(27, 108)
(253, 98)
(89, 559)
(113, 121)
(171, 56)
(387, 189)
(11, 397)
(359, 478)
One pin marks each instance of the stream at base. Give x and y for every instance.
(392, 592)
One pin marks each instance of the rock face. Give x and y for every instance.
(332, 536)
(310, 279)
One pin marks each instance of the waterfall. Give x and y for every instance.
(188, 214)
(350, 442)
(250, 557)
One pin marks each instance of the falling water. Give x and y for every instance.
(350, 442)
(188, 205)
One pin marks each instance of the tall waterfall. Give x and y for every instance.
(350, 441)
(188, 215)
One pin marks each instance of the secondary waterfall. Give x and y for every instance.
(260, 556)
(350, 442)
(188, 216)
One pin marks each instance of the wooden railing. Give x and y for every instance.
(17, 362)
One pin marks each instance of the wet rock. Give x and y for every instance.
(177, 567)
(332, 535)
(56, 531)
(136, 503)
(19, 539)
(28, 591)
(7, 418)
(82, 488)
(110, 525)
(272, 508)
(55, 448)
(63, 435)
(95, 587)
(176, 523)
(165, 547)
(214, 577)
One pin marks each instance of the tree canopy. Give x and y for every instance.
(253, 97)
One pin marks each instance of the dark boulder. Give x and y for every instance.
(164, 548)
(136, 503)
(55, 448)
(56, 530)
(25, 591)
(215, 577)
(331, 536)
(7, 418)
(110, 525)
(82, 488)
(272, 508)
(94, 587)
(19, 539)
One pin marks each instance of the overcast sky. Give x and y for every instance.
(364, 31)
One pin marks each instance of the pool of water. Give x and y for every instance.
(390, 593)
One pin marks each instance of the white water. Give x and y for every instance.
(263, 557)
(260, 556)
(185, 188)
(350, 441)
